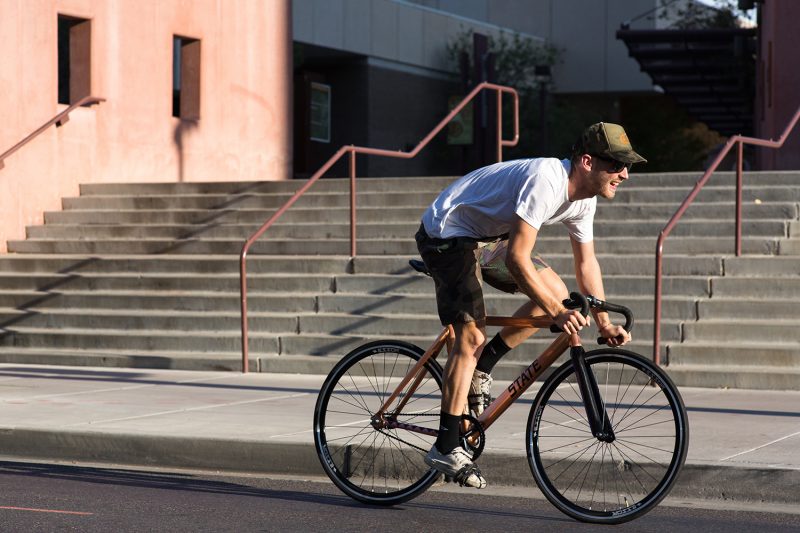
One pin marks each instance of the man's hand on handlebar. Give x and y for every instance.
(571, 320)
(614, 335)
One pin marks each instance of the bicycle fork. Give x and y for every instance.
(596, 414)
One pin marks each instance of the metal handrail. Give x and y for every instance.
(59, 120)
(353, 150)
(740, 141)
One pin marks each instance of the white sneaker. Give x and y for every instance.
(480, 392)
(456, 465)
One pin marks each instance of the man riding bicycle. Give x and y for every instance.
(484, 226)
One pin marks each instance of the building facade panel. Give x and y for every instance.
(778, 82)
(244, 129)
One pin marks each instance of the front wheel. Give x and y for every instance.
(370, 462)
(608, 482)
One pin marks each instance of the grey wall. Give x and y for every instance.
(416, 32)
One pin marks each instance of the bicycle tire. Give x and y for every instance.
(377, 466)
(627, 477)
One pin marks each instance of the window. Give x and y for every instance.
(74, 59)
(320, 112)
(185, 78)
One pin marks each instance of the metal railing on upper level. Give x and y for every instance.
(353, 150)
(59, 120)
(740, 141)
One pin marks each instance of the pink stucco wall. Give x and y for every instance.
(244, 131)
(778, 85)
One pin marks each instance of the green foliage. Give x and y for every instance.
(515, 61)
(515, 57)
(691, 15)
(677, 144)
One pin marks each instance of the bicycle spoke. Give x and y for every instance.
(588, 468)
(571, 418)
(631, 426)
(567, 445)
(579, 402)
(654, 448)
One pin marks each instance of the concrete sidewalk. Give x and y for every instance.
(744, 445)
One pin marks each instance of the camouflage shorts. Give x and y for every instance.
(453, 264)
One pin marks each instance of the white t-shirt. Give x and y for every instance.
(483, 203)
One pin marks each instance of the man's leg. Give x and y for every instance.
(447, 454)
(461, 363)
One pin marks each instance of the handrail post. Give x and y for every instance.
(352, 203)
(499, 112)
(657, 302)
(739, 163)
(243, 294)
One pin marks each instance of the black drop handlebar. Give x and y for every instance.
(579, 301)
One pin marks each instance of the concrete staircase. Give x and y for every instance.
(146, 275)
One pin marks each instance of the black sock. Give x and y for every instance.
(449, 429)
(492, 353)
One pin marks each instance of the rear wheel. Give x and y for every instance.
(368, 461)
(608, 482)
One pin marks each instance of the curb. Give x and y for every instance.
(701, 481)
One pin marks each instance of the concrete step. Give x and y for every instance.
(178, 285)
(639, 264)
(175, 283)
(256, 217)
(635, 264)
(641, 179)
(428, 325)
(760, 266)
(126, 358)
(752, 308)
(376, 230)
(676, 307)
(750, 353)
(767, 331)
(134, 321)
(417, 197)
(153, 341)
(173, 264)
(764, 287)
(249, 201)
(789, 247)
(738, 377)
(546, 245)
(31, 301)
(336, 346)
(326, 185)
(614, 285)
(228, 343)
(608, 211)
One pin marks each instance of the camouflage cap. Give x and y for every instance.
(608, 140)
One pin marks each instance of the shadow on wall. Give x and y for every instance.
(183, 127)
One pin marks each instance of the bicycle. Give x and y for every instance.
(606, 436)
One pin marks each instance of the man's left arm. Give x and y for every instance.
(590, 281)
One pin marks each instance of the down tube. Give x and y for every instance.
(517, 387)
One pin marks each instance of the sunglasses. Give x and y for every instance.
(616, 166)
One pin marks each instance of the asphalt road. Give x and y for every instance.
(45, 497)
